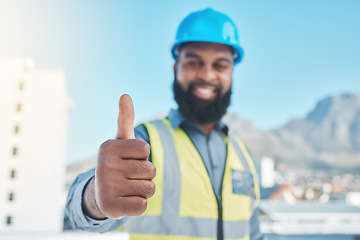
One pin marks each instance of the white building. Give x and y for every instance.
(34, 108)
(267, 172)
(353, 198)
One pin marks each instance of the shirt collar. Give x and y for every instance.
(176, 119)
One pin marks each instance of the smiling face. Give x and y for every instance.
(203, 77)
(205, 69)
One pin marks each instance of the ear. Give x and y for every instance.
(175, 66)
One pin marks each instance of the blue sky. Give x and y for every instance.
(296, 53)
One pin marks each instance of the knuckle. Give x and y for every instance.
(146, 148)
(106, 150)
(105, 146)
(140, 206)
(143, 146)
(152, 189)
(134, 206)
(152, 170)
(148, 189)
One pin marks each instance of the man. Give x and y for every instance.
(206, 183)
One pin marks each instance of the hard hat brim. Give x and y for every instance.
(238, 51)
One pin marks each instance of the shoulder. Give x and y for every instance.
(141, 131)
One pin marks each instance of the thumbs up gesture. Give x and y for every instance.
(123, 175)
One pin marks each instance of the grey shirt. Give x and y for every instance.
(212, 149)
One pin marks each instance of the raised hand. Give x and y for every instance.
(123, 175)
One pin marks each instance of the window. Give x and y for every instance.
(14, 151)
(8, 220)
(16, 129)
(18, 107)
(11, 197)
(21, 86)
(12, 174)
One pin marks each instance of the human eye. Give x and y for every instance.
(192, 63)
(221, 66)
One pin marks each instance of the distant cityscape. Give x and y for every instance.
(319, 185)
(298, 200)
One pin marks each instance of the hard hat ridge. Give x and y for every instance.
(208, 25)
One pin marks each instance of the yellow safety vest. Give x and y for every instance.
(185, 206)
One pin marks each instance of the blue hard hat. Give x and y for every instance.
(208, 25)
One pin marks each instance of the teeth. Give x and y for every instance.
(204, 90)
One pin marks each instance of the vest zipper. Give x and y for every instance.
(220, 208)
(220, 230)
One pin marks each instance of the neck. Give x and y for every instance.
(207, 128)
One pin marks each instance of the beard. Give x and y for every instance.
(197, 110)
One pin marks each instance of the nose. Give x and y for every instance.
(207, 74)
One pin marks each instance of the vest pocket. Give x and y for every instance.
(243, 183)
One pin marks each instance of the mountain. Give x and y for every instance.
(329, 136)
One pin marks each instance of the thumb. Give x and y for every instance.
(125, 124)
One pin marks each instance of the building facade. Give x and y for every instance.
(34, 110)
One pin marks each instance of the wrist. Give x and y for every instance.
(89, 205)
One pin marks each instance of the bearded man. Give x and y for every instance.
(206, 182)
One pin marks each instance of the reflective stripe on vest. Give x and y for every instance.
(184, 205)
